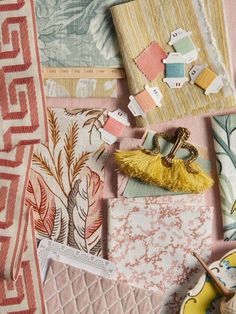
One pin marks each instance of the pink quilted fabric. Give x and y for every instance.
(70, 290)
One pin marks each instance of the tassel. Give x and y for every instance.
(150, 169)
(153, 169)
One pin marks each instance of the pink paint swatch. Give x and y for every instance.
(149, 61)
(145, 101)
(114, 127)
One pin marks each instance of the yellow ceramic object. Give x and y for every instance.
(204, 296)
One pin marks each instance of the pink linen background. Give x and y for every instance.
(201, 133)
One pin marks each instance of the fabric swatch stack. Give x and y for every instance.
(138, 23)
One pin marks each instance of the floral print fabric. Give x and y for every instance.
(151, 239)
(77, 33)
(67, 178)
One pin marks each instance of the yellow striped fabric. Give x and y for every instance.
(140, 22)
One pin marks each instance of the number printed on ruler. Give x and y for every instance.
(109, 73)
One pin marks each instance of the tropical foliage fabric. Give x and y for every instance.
(224, 128)
(67, 178)
(77, 33)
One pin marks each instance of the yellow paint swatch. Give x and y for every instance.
(205, 78)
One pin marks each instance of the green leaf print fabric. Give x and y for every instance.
(224, 128)
(77, 33)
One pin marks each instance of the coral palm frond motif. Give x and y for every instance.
(60, 164)
(100, 152)
(79, 164)
(54, 127)
(39, 160)
(95, 122)
(73, 112)
(70, 141)
(95, 112)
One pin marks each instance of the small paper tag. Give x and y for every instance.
(107, 137)
(182, 42)
(195, 71)
(49, 250)
(120, 116)
(146, 100)
(114, 126)
(175, 73)
(206, 79)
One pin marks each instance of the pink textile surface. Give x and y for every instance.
(150, 240)
(22, 102)
(155, 54)
(72, 290)
(201, 133)
(22, 124)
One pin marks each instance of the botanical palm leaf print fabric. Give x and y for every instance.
(224, 128)
(67, 178)
(77, 33)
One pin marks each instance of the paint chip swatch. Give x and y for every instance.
(149, 61)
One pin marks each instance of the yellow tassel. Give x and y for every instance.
(150, 169)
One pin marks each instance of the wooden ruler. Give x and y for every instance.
(108, 73)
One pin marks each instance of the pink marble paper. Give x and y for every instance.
(151, 239)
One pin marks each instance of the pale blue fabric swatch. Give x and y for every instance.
(77, 33)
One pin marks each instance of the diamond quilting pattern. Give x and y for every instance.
(71, 290)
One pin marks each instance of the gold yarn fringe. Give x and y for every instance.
(150, 169)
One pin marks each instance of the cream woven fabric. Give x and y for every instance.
(140, 22)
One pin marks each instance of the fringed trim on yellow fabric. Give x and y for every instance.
(150, 169)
